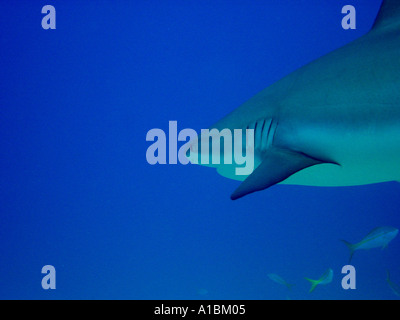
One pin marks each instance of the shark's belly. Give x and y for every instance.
(329, 175)
(364, 156)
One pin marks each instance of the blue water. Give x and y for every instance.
(76, 191)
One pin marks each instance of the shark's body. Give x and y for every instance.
(333, 122)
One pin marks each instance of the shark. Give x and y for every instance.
(332, 122)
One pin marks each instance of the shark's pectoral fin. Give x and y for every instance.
(277, 166)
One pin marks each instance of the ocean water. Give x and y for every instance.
(77, 193)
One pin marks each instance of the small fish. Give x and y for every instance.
(278, 279)
(379, 237)
(325, 279)
(395, 288)
(202, 292)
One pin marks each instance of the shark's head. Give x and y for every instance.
(235, 153)
(247, 153)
